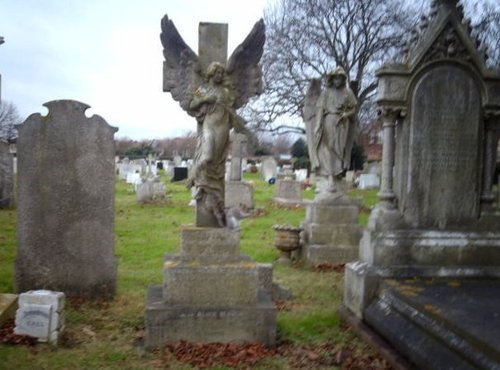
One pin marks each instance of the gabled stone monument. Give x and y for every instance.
(429, 271)
(211, 293)
(66, 166)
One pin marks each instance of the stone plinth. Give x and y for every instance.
(211, 293)
(239, 193)
(331, 231)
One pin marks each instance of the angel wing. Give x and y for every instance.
(181, 68)
(309, 113)
(243, 66)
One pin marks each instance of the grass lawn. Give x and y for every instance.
(104, 335)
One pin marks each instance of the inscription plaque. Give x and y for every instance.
(444, 140)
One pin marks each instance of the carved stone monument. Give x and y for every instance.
(66, 211)
(428, 275)
(331, 230)
(211, 292)
(6, 176)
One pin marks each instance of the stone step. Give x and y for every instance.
(440, 323)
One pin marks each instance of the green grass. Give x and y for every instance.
(104, 335)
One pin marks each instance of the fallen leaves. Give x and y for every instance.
(325, 267)
(246, 356)
(7, 335)
(205, 355)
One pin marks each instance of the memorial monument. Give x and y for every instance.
(211, 293)
(331, 229)
(428, 276)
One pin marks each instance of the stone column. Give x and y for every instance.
(386, 194)
(492, 123)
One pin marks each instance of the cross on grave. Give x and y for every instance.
(212, 47)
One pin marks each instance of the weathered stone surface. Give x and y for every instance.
(210, 293)
(331, 233)
(440, 323)
(6, 176)
(288, 191)
(239, 193)
(206, 285)
(225, 323)
(209, 242)
(66, 202)
(341, 214)
(436, 224)
(443, 171)
(40, 315)
(151, 190)
(363, 284)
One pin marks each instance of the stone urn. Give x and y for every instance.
(286, 241)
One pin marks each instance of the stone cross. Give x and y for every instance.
(212, 47)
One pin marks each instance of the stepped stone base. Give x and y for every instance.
(236, 324)
(211, 293)
(440, 323)
(331, 231)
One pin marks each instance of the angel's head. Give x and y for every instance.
(215, 72)
(337, 77)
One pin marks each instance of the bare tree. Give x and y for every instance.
(308, 38)
(9, 118)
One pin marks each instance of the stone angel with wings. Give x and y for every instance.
(212, 96)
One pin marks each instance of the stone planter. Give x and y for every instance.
(287, 240)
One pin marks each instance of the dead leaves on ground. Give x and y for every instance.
(246, 356)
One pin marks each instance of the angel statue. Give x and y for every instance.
(330, 117)
(212, 96)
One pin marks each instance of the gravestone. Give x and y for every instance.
(269, 168)
(151, 190)
(368, 181)
(6, 176)
(238, 192)
(40, 315)
(211, 292)
(123, 168)
(180, 173)
(288, 192)
(66, 212)
(428, 275)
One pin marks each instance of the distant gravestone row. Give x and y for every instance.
(66, 212)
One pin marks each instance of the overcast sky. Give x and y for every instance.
(107, 54)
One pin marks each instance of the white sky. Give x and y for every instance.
(107, 54)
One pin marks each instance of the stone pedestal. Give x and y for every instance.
(239, 193)
(211, 293)
(331, 230)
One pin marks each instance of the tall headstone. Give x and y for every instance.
(435, 223)
(6, 176)
(66, 202)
